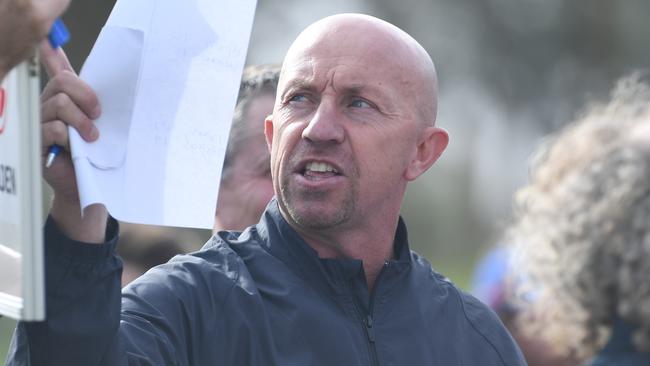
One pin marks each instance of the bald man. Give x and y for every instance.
(325, 278)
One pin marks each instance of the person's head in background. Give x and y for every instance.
(496, 283)
(142, 247)
(246, 186)
(582, 231)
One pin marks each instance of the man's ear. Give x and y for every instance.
(268, 131)
(431, 144)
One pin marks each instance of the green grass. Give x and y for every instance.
(7, 326)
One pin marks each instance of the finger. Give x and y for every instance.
(61, 107)
(54, 60)
(53, 8)
(54, 133)
(79, 92)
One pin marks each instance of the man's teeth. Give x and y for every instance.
(320, 167)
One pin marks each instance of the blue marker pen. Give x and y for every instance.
(58, 36)
(52, 152)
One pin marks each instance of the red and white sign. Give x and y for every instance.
(3, 103)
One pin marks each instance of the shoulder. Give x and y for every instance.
(211, 272)
(489, 327)
(479, 322)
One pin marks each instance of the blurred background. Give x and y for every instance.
(510, 72)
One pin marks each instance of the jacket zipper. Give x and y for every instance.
(368, 321)
(371, 339)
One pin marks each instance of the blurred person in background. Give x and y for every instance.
(23, 24)
(581, 235)
(495, 283)
(143, 247)
(245, 187)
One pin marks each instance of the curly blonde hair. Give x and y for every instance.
(582, 227)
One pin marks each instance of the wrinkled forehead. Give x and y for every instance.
(342, 70)
(346, 59)
(362, 51)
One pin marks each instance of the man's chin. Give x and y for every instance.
(318, 216)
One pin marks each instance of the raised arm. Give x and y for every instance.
(68, 101)
(89, 322)
(82, 273)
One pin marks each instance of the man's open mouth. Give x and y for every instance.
(317, 170)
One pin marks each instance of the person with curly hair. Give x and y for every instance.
(581, 234)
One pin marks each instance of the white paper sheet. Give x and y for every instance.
(167, 76)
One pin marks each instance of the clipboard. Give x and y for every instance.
(22, 289)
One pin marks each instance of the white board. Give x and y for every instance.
(21, 237)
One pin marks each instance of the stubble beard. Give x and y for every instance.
(297, 207)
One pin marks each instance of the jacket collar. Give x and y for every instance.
(284, 243)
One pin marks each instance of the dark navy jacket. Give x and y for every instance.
(619, 350)
(261, 297)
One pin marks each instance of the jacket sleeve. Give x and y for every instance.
(159, 319)
(82, 284)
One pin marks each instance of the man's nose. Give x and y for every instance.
(325, 125)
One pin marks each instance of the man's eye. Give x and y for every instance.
(360, 103)
(298, 98)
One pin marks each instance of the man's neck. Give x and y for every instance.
(373, 246)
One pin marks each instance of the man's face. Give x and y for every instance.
(343, 131)
(248, 189)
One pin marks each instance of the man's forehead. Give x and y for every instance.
(353, 71)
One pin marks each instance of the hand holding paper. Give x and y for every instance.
(67, 98)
